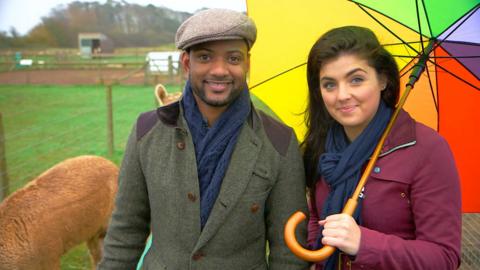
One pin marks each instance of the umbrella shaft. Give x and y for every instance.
(420, 65)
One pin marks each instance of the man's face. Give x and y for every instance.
(217, 71)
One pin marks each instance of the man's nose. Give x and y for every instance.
(219, 67)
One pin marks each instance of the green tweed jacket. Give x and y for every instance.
(159, 192)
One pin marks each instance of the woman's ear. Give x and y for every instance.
(382, 82)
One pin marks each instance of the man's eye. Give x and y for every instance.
(204, 57)
(234, 59)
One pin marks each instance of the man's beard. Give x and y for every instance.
(232, 96)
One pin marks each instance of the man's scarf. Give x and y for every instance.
(342, 164)
(214, 146)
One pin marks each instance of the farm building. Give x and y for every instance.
(91, 44)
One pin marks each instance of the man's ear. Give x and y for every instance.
(185, 60)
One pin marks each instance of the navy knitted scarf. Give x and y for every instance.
(214, 146)
(342, 164)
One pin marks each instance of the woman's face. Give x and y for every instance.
(351, 90)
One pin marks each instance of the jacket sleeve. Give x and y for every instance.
(287, 196)
(129, 225)
(436, 207)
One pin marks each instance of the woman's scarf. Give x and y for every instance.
(214, 146)
(342, 164)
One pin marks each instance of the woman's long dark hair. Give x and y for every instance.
(354, 40)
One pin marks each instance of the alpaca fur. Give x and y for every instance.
(163, 97)
(66, 205)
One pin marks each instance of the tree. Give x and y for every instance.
(128, 25)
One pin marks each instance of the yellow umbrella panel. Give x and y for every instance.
(286, 33)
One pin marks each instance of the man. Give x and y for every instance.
(211, 177)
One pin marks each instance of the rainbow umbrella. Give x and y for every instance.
(445, 32)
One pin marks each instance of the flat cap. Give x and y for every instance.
(215, 24)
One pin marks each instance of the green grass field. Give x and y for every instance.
(44, 125)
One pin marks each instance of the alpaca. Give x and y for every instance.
(163, 97)
(66, 205)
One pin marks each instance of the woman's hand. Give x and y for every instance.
(341, 231)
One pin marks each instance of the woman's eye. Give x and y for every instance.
(357, 80)
(328, 85)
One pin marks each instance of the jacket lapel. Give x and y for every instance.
(235, 182)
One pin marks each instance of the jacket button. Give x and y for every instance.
(376, 169)
(198, 255)
(254, 208)
(191, 197)
(403, 195)
(181, 145)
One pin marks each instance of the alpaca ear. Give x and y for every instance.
(160, 93)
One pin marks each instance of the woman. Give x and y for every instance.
(409, 216)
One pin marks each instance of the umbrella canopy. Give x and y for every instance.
(445, 96)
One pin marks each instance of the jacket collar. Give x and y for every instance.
(402, 134)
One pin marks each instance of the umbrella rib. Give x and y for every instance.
(435, 101)
(438, 99)
(455, 29)
(454, 75)
(460, 42)
(419, 26)
(437, 57)
(400, 43)
(277, 75)
(386, 28)
(460, 63)
(360, 5)
(470, 13)
(450, 41)
(426, 17)
(407, 71)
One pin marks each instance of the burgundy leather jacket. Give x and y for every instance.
(411, 213)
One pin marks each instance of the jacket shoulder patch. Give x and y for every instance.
(278, 134)
(145, 123)
(167, 114)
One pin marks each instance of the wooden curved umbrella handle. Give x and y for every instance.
(303, 253)
(296, 248)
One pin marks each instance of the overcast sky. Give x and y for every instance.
(25, 14)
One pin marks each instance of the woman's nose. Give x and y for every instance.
(343, 92)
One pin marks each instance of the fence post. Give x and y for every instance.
(170, 69)
(109, 120)
(4, 182)
(146, 74)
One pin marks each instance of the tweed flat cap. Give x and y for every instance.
(215, 24)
